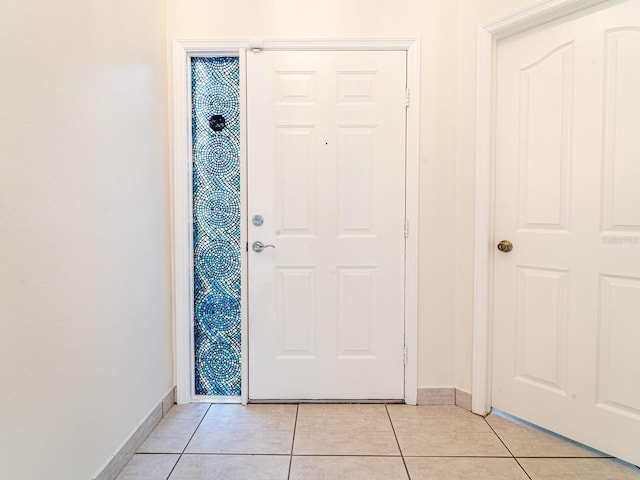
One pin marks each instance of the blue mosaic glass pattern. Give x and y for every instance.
(215, 90)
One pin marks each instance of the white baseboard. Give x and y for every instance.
(121, 457)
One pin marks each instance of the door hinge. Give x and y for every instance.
(405, 355)
(406, 228)
(407, 98)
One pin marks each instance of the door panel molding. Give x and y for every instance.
(182, 268)
(488, 36)
(356, 143)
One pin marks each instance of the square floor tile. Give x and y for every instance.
(464, 468)
(148, 467)
(279, 417)
(231, 467)
(444, 431)
(250, 429)
(433, 418)
(336, 441)
(175, 429)
(578, 469)
(347, 468)
(446, 444)
(344, 430)
(526, 441)
(353, 416)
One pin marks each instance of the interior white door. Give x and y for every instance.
(326, 183)
(567, 298)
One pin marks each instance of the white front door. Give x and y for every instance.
(566, 348)
(326, 195)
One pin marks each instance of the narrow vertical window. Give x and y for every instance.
(215, 117)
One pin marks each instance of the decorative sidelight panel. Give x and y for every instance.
(215, 117)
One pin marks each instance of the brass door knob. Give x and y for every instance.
(505, 246)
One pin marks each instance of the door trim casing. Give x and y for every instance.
(488, 36)
(182, 249)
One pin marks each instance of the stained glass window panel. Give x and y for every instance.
(215, 117)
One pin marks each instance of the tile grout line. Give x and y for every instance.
(293, 440)
(508, 449)
(189, 441)
(397, 442)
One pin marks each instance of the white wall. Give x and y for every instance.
(471, 14)
(447, 30)
(85, 336)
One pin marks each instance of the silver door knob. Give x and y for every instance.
(259, 246)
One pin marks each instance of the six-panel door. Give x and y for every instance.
(326, 171)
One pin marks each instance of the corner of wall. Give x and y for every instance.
(444, 396)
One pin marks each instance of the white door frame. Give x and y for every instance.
(182, 246)
(488, 36)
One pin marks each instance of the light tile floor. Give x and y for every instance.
(372, 442)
